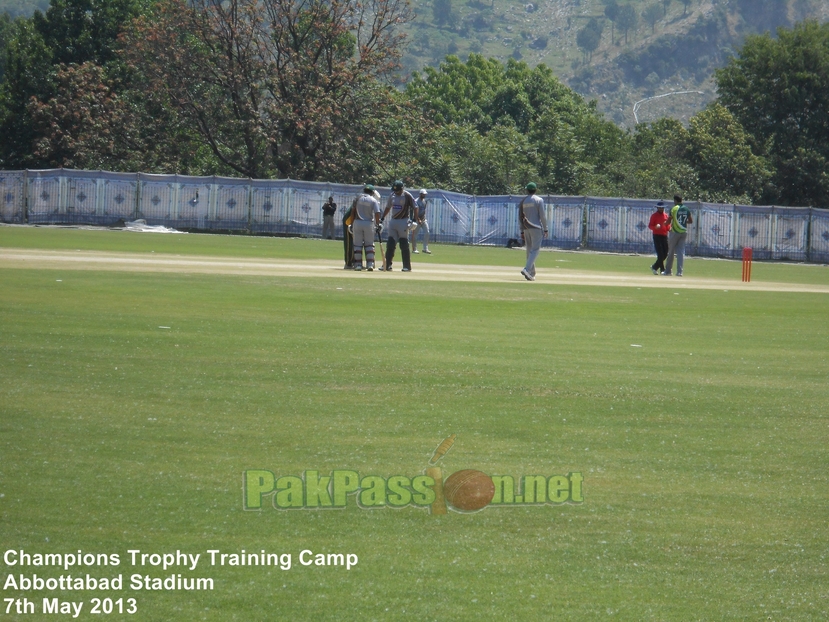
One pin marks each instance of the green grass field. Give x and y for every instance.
(697, 419)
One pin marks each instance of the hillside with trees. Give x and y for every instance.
(22, 8)
(310, 90)
(618, 52)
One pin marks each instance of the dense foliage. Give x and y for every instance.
(304, 89)
(778, 89)
(498, 125)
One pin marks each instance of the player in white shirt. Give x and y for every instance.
(366, 221)
(420, 223)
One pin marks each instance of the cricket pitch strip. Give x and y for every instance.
(11, 258)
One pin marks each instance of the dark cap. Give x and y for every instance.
(531, 187)
(660, 205)
(398, 185)
(368, 188)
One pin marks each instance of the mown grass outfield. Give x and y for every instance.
(698, 419)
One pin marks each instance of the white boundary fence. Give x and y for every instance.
(63, 196)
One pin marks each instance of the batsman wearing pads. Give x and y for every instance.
(401, 204)
(366, 220)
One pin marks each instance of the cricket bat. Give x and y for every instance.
(382, 252)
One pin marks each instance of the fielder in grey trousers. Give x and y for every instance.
(680, 219)
(676, 245)
(533, 222)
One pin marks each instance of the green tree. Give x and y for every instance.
(28, 68)
(561, 157)
(276, 87)
(652, 163)
(79, 31)
(652, 13)
(457, 92)
(498, 162)
(443, 12)
(95, 122)
(719, 150)
(71, 127)
(511, 105)
(710, 160)
(627, 19)
(589, 38)
(6, 30)
(762, 15)
(561, 140)
(22, 8)
(778, 89)
(611, 12)
(70, 32)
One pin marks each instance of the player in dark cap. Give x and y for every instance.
(533, 221)
(659, 226)
(401, 204)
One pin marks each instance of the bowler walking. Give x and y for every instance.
(533, 222)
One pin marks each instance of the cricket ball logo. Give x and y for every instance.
(468, 490)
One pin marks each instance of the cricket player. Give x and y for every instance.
(533, 221)
(420, 223)
(329, 209)
(348, 237)
(366, 220)
(680, 219)
(401, 205)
